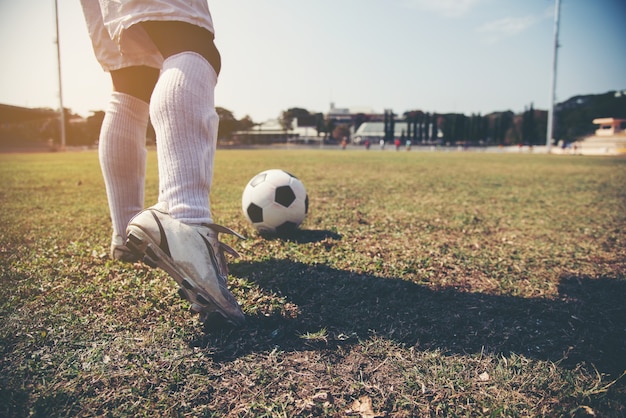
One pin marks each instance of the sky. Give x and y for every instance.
(465, 56)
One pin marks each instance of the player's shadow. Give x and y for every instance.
(586, 323)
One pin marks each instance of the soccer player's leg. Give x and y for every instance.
(180, 236)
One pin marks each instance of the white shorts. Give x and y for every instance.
(119, 42)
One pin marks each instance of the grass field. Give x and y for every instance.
(421, 284)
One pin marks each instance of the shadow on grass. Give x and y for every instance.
(304, 236)
(586, 323)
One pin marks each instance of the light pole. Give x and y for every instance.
(550, 128)
(58, 42)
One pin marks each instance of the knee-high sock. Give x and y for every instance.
(182, 109)
(122, 154)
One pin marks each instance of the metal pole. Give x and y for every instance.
(550, 128)
(58, 42)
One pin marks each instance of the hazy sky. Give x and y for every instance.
(440, 56)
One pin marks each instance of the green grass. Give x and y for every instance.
(436, 284)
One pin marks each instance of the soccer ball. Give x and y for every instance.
(275, 202)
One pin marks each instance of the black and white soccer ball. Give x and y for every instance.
(275, 202)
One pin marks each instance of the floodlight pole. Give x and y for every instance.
(62, 109)
(550, 128)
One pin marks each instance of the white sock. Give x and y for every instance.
(122, 153)
(182, 109)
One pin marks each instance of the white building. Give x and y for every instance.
(375, 131)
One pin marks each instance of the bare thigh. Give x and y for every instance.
(137, 81)
(175, 37)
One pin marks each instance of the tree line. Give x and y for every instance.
(573, 120)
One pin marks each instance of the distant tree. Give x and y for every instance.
(228, 124)
(246, 123)
(460, 123)
(532, 125)
(529, 129)
(514, 135)
(574, 117)
(76, 133)
(94, 124)
(475, 132)
(484, 129)
(507, 128)
(287, 117)
(492, 128)
(498, 132)
(541, 124)
(467, 128)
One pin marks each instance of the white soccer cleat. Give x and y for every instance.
(192, 255)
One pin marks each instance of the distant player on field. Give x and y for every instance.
(163, 65)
